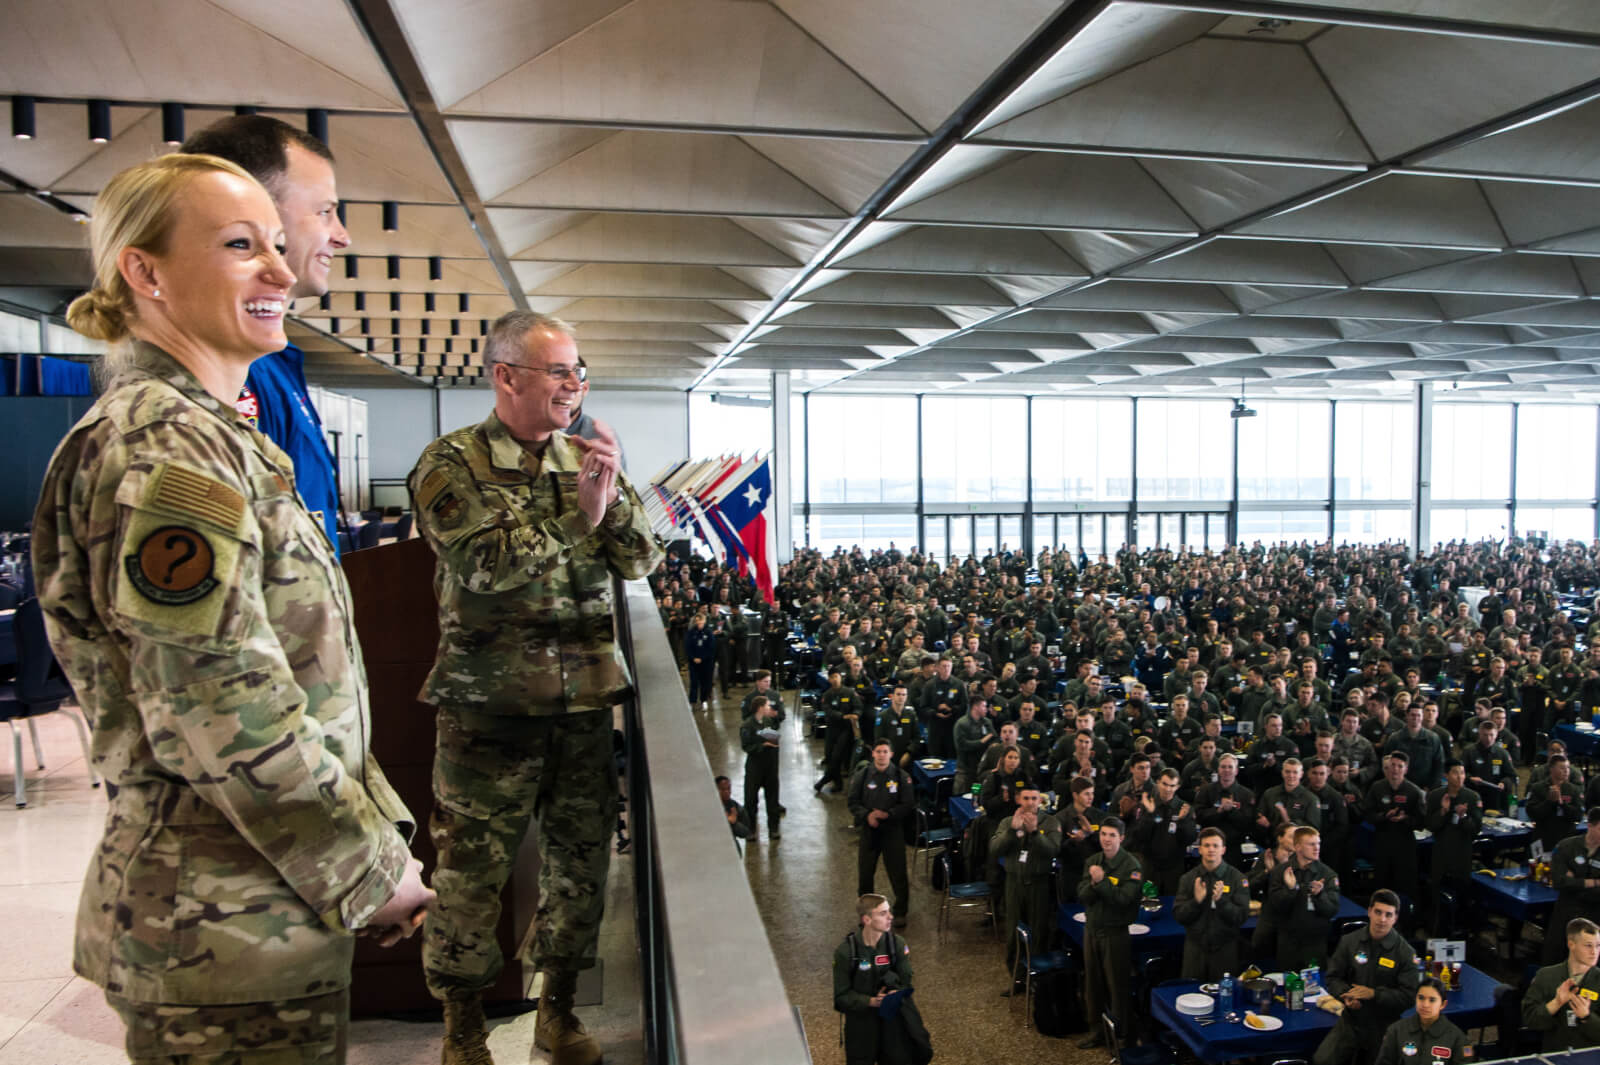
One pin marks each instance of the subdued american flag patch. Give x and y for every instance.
(186, 492)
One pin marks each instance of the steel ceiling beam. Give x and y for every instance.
(962, 123)
(381, 25)
(1378, 20)
(1552, 105)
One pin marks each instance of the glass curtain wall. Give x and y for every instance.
(1471, 472)
(1530, 467)
(1555, 472)
(1372, 471)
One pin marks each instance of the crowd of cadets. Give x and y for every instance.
(1331, 659)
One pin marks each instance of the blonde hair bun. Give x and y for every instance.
(98, 316)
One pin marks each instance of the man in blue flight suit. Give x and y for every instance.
(297, 170)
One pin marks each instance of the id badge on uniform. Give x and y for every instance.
(1172, 828)
(1022, 857)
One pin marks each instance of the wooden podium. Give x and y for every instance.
(398, 627)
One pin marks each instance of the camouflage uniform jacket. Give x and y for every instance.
(204, 624)
(524, 577)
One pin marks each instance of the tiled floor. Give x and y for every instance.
(48, 1016)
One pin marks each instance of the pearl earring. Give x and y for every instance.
(156, 293)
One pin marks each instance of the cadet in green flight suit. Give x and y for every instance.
(1110, 891)
(1563, 1001)
(529, 525)
(1028, 843)
(200, 614)
(1429, 1038)
(1374, 972)
(1212, 904)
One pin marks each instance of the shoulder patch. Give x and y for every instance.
(173, 565)
(430, 488)
(449, 509)
(183, 491)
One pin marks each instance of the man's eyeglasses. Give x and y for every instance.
(558, 374)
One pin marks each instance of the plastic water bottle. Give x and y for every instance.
(1225, 995)
(1511, 807)
(1294, 990)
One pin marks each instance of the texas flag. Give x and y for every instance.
(744, 507)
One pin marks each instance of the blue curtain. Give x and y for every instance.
(41, 375)
(58, 377)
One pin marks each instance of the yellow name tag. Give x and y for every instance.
(1592, 996)
(1387, 963)
(1112, 879)
(1226, 889)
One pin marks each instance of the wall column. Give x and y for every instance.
(782, 499)
(1422, 469)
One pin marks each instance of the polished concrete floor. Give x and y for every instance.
(805, 886)
(49, 1016)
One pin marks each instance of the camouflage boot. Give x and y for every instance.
(557, 1030)
(465, 1037)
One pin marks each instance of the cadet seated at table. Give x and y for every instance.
(1563, 1002)
(1374, 974)
(1212, 903)
(1430, 1036)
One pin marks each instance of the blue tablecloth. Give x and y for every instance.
(1166, 934)
(924, 778)
(963, 811)
(1303, 1030)
(8, 642)
(1521, 900)
(1492, 839)
(1582, 744)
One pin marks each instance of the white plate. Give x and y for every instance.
(1422, 835)
(1195, 1005)
(932, 763)
(1138, 929)
(1269, 1023)
(1276, 978)
(1249, 848)
(1080, 917)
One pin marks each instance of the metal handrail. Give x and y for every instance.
(700, 934)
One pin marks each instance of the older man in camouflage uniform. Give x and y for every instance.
(528, 524)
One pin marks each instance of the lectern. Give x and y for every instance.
(397, 624)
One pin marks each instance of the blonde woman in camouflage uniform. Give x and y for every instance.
(203, 622)
(528, 524)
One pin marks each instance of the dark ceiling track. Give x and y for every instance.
(382, 27)
(1005, 80)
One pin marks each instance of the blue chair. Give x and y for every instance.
(1148, 1054)
(974, 893)
(402, 528)
(1032, 965)
(367, 536)
(40, 688)
(930, 839)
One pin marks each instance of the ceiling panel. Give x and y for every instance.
(890, 194)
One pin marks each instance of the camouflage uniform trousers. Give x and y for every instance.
(491, 774)
(301, 1031)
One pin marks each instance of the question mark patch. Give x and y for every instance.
(173, 566)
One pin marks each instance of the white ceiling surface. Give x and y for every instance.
(1127, 196)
